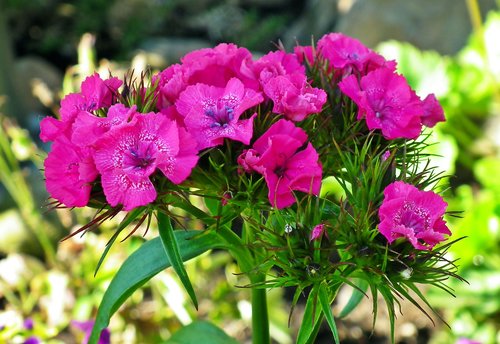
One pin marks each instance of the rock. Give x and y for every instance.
(38, 82)
(161, 52)
(442, 25)
(318, 18)
(219, 22)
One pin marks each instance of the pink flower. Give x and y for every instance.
(95, 94)
(285, 165)
(305, 54)
(276, 63)
(466, 341)
(212, 113)
(69, 172)
(171, 82)
(416, 215)
(99, 93)
(347, 54)
(294, 97)
(87, 128)
(387, 102)
(128, 155)
(433, 112)
(216, 66)
(317, 232)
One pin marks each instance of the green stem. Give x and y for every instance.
(260, 318)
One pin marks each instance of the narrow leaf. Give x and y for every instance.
(355, 299)
(311, 320)
(324, 301)
(200, 332)
(131, 216)
(141, 266)
(172, 250)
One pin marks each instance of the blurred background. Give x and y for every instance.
(448, 47)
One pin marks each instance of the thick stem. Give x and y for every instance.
(260, 318)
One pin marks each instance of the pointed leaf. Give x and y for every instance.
(312, 319)
(172, 250)
(131, 216)
(324, 301)
(141, 266)
(355, 299)
(200, 332)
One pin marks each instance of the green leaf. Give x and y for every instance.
(355, 299)
(172, 250)
(131, 216)
(141, 266)
(324, 301)
(200, 332)
(311, 320)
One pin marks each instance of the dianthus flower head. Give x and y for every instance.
(69, 172)
(413, 214)
(128, 155)
(95, 93)
(286, 166)
(276, 63)
(349, 55)
(212, 113)
(293, 97)
(387, 102)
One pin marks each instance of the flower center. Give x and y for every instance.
(221, 114)
(140, 159)
(414, 217)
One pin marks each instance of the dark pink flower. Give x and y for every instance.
(87, 128)
(286, 166)
(86, 328)
(95, 94)
(305, 54)
(216, 66)
(276, 63)
(212, 113)
(171, 82)
(128, 155)
(387, 102)
(414, 214)
(433, 112)
(317, 232)
(347, 54)
(294, 97)
(99, 93)
(69, 172)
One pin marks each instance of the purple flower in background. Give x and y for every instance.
(86, 328)
(467, 341)
(28, 323)
(32, 340)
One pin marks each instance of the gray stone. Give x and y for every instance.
(317, 19)
(442, 25)
(36, 78)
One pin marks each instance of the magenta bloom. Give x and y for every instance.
(95, 94)
(305, 54)
(69, 172)
(317, 232)
(433, 112)
(276, 63)
(286, 167)
(87, 128)
(294, 97)
(86, 328)
(416, 215)
(347, 54)
(387, 102)
(212, 113)
(129, 154)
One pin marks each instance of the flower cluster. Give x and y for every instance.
(263, 137)
(104, 142)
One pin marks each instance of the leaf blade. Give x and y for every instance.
(141, 266)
